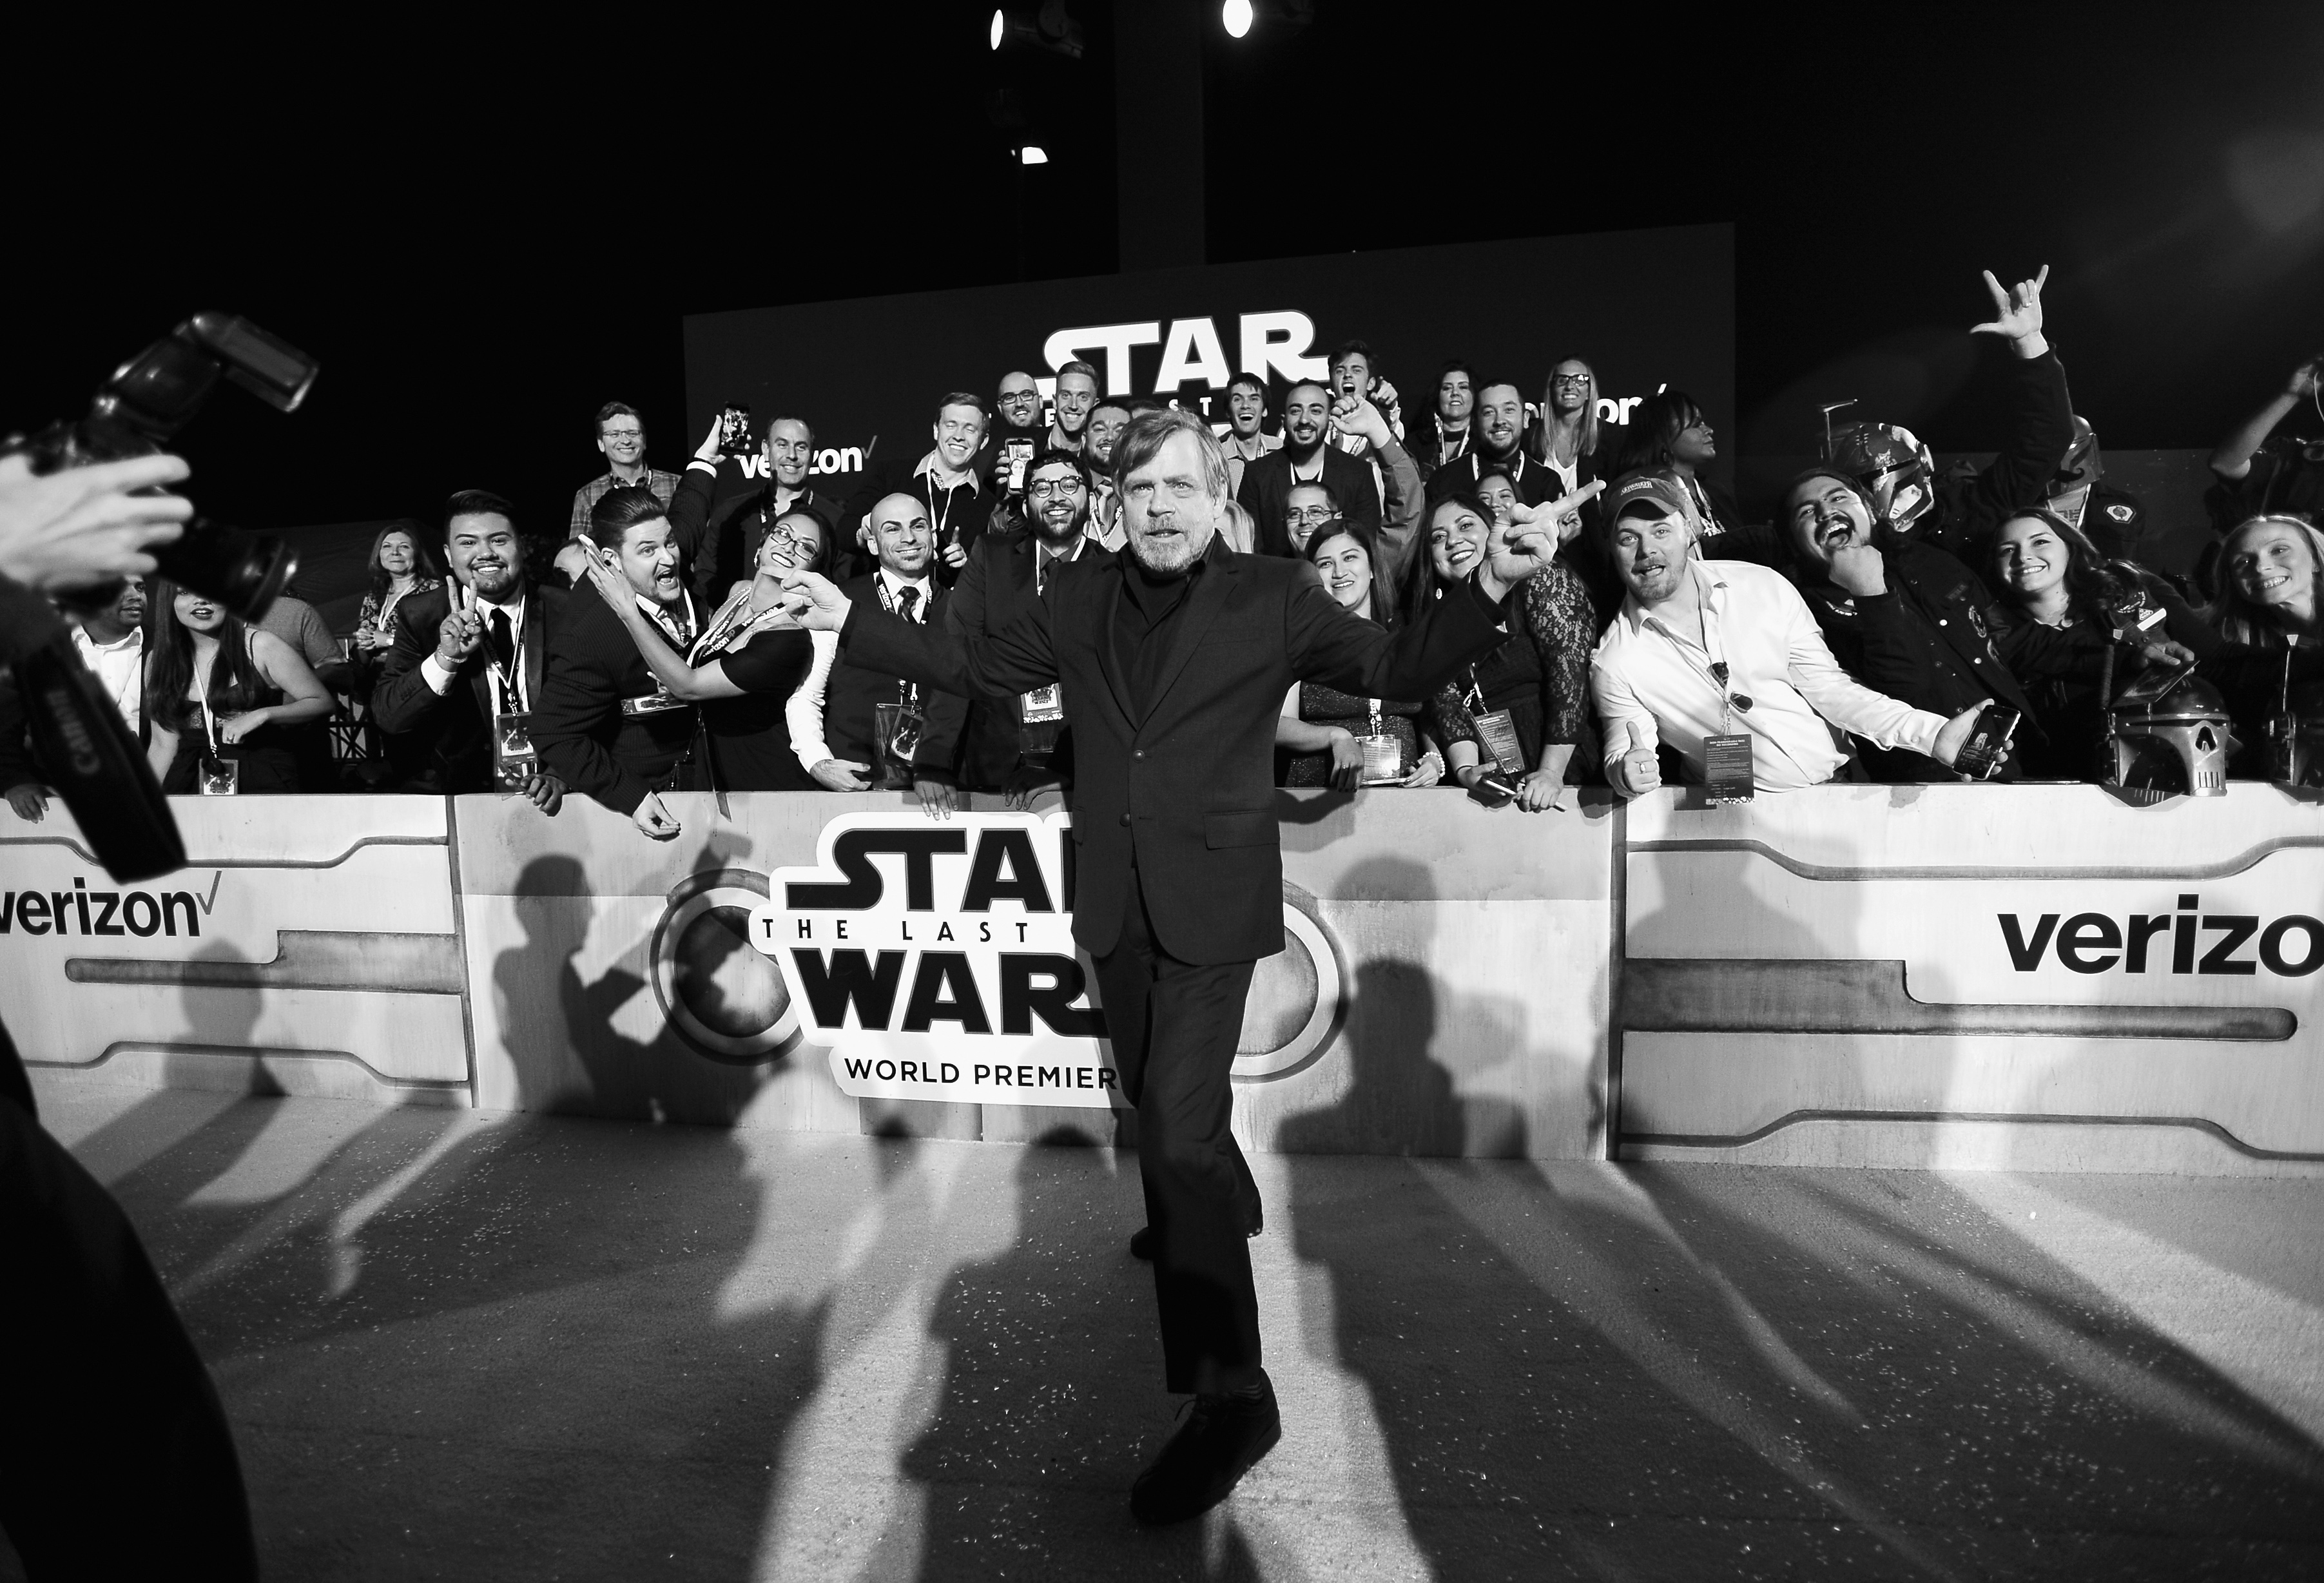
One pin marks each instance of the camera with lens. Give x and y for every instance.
(84, 746)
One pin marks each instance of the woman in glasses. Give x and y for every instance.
(1524, 707)
(750, 659)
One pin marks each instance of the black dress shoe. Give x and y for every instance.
(1141, 1241)
(1222, 1438)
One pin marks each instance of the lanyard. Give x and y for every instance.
(945, 516)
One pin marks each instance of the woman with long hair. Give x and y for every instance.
(400, 565)
(1321, 727)
(217, 689)
(1531, 695)
(2062, 604)
(2271, 584)
(1568, 438)
(750, 659)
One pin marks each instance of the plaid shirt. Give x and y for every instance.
(586, 498)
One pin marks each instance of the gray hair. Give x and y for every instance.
(1148, 432)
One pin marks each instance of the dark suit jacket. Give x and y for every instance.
(995, 587)
(585, 739)
(1191, 784)
(1266, 494)
(855, 687)
(456, 727)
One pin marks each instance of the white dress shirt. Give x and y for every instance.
(1654, 673)
(439, 675)
(803, 710)
(120, 665)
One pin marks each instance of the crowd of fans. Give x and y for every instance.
(1858, 634)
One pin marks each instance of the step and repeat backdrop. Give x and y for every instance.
(1645, 308)
(2046, 977)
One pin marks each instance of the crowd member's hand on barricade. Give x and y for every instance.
(1024, 784)
(936, 797)
(70, 529)
(1542, 791)
(1956, 734)
(1347, 759)
(2016, 314)
(1427, 771)
(31, 801)
(839, 774)
(654, 819)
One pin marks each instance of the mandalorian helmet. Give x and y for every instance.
(1891, 467)
(2177, 740)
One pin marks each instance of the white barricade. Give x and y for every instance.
(309, 946)
(2042, 977)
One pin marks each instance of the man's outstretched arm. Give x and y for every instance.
(1014, 660)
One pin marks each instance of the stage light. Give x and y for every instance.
(1033, 153)
(1050, 29)
(1237, 16)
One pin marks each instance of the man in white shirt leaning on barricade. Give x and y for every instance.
(1715, 658)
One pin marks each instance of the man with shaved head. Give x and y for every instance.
(835, 713)
(1172, 659)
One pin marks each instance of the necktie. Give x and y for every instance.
(504, 642)
(907, 601)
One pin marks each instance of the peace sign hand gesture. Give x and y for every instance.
(2016, 313)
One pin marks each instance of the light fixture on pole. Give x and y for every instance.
(1237, 16)
(1051, 30)
(1033, 153)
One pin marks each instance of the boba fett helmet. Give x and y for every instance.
(1894, 471)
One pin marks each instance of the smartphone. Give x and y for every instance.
(734, 429)
(1494, 789)
(1988, 742)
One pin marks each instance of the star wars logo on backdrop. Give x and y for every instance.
(936, 960)
(1276, 347)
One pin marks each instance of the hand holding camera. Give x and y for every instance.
(70, 529)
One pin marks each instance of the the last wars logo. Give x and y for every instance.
(936, 960)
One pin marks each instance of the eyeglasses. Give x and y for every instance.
(1019, 398)
(1310, 513)
(1042, 488)
(625, 434)
(1570, 381)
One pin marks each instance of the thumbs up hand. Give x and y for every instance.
(1638, 771)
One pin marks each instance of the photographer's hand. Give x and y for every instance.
(80, 526)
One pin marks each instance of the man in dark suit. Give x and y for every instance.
(846, 695)
(1005, 574)
(1304, 458)
(462, 652)
(730, 549)
(603, 725)
(1173, 657)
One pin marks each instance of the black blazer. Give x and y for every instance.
(1194, 778)
(1266, 494)
(584, 737)
(996, 588)
(855, 689)
(456, 726)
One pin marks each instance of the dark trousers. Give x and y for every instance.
(115, 1461)
(1174, 1027)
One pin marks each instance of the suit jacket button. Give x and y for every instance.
(1125, 819)
(1138, 753)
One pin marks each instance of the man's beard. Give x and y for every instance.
(1058, 537)
(1169, 558)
